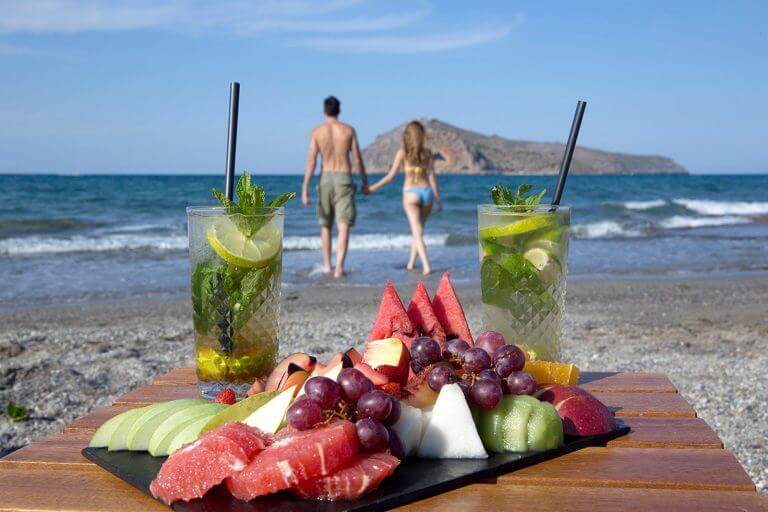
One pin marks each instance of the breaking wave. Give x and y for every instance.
(603, 229)
(644, 205)
(41, 245)
(683, 222)
(708, 207)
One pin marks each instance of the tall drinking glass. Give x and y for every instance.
(236, 263)
(524, 260)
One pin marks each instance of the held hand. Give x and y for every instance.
(305, 198)
(365, 189)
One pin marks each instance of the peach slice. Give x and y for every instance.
(295, 377)
(257, 387)
(338, 358)
(389, 356)
(279, 374)
(378, 378)
(354, 356)
(556, 394)
(418, 393)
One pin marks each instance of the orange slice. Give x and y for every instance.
(547, 372)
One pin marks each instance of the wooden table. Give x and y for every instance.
(671, 460)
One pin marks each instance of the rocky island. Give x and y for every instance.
(459, 151)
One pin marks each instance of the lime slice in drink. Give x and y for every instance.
(507, 232)
(539, 257)
(235, 248)
(547, 245)
(545, 262)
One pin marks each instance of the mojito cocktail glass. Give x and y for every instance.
(236, 263)
(523, 264)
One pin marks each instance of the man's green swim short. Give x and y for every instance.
(336, 199)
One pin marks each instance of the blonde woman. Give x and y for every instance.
(419, 188)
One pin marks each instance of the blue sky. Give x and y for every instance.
(142, 86)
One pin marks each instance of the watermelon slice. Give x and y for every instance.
(449, 311)
(392, 320)
(362, 475)
(423, 316)
(309, 454)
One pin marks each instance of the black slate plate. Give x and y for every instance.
(414, 479)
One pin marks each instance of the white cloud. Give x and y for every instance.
(343, 26)
(410, 43)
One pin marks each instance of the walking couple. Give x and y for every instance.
(334, 141)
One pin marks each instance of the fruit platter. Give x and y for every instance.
(423, 407)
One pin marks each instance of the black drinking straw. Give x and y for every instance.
(565, 165)
(225, 323)
(234, 105)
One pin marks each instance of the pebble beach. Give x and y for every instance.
(709, 336)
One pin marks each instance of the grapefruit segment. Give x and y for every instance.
(309, 454)
(198, 466)
(449, 311)
(423, 316)
(392, 320)
(363, 474)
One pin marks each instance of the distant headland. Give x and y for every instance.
(459, 151)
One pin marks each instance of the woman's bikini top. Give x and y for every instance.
(416, 170)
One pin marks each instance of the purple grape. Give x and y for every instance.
(489, 375)
(375, 404)
(465, 388)
(490, 341)
(324, 391)
(372, 434)
(425, 351)
(476, 360)
(394, 415)
(416, 367)
(509, 358)
(440, 376)
(396, 447)
(353, 384)
(455, 348)
(304, 414)
(486, 394)
(521, 383)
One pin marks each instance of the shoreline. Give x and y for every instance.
(708, 335)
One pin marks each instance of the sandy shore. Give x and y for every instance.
(709, 336)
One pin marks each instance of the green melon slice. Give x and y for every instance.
(189, 433)
(145, 426)
(102, 436)
(167, 430)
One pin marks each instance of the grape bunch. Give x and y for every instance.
(354, 398)
(484, 372)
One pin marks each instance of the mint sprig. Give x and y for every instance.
(248, 211)
(501, 195)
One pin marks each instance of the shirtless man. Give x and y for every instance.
(334, 141)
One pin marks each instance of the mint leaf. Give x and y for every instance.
(282, 199)
(17, 412)
(501, 195)
(226, 203)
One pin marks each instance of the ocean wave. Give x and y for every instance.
(603, 229)
(368, 241)
(707, 207)
(135, 228)
(683, 222)
(644, 205)
(51, 225)
(42, 245)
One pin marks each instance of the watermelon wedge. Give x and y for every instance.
(392, 320)
(361, 476)
(309, 454)
(423, 316)
(449, 311)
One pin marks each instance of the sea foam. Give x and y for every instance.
(603, 229)
(708, 207)
(683, 222)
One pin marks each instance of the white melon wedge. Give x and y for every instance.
(409, 427)
(451, 431)
(145, 426)
(269, 416)
(102, 436)
(167, 430)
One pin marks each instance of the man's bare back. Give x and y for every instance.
(335, 140)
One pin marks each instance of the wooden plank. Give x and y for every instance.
(484, 498)
(151, 394)
(617, 382)
(671, 405)
(667, 432)
(626, 382)
(662, 468)
(624, 404)
(70, 490)
(95, 419)
(183, 375)
(52, 452)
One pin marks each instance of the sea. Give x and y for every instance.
(68, 240)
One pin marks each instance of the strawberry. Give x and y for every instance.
(225, 396)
